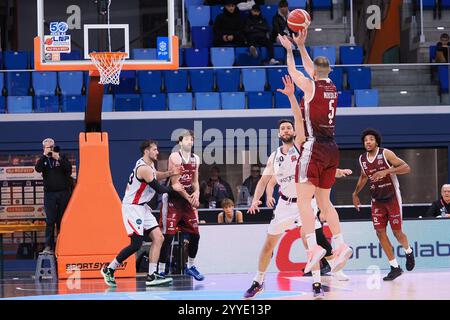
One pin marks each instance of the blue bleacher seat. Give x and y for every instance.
(351, 54)
(196, 57)
(432, 51)
(18, 83)
(193, 2)
(281, 100)
(202, 80)
(15, 60)
(46, 103)
(297, 4)
(275, 78)
(70, 82)
(108, 103)
(280, 54)
(20, 104)
(366, 98)
(222, 57)
(322, 4)
(359, 78)
(44, 83)
(327, 51)
(268, 12)
(149, 81)
(73, 55)
(337, 76)
(127, 102)
(180, 101)
(202, 37)
(345, 99)
(2, 81)
(443, 78)
(445, 4)
(1, 61)
(260, 100)
(215, 11)
(207, 101)
(228, 80)
(154, 102)
(254, 79)
(73, 103)
(176, 80)
(232, 100)
(143, 54)
(199, 15)
(243, 57)
(428, 4)
(127, 83)
(181, 57)
(2, 104)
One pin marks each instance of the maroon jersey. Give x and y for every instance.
(383, 189)
(320, 112)
(189, 167)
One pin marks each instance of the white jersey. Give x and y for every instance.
(284, 166)
(138, 191)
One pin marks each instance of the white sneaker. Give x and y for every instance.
(340, 276)
(273, 61)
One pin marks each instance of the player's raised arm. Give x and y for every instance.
(299, 40)
(261, 185)
(305, 84)
(289, 91)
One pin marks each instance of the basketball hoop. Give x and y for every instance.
(109, 65)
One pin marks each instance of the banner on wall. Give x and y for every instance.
(236, 247)
(22, 188)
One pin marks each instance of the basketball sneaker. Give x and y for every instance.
(410, 262)
(255, 289)
(342, 253)
(314, 256)
(340, 276)
(108, 276)
(318, 291)
(156, 279)
(393, 274)
(193, 272)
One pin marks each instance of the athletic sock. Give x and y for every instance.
(338, 240)
(114, 264)
(259, 277)
(311, 240)
(190, 262)
(409, 250)
(316, 276)
(161, 267)
(151, 268)
(393, 263)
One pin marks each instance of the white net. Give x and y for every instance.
(109, 65)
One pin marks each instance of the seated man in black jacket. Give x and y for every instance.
(56, 171)
(228, 27)
(279, 22)
(441, 207)
(257, 31)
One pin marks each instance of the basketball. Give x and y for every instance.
(298, 20)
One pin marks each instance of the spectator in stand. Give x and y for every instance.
(441, 208)
(257, 32)
(229, 214)
(251, 182)
(216, 189)
(442, 49)
(228, 27)
(247, 5)
(279, 22)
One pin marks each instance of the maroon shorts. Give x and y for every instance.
(318, 163)
(384, 211)
(178, 218)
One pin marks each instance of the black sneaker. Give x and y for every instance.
(255, 289)
(108, 276)
(410, 262)
(156, 279)
(394, 273)
(318, 291)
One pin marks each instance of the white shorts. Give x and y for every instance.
(286, 216)
(138, 218)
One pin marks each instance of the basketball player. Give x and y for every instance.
(381, 166)
(281, 167)
(137, 215)
(320, 154)
(181, 206)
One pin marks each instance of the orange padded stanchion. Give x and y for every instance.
(92, 231)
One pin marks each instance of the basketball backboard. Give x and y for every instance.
(68, 31)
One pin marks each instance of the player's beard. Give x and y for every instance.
(287, 140)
